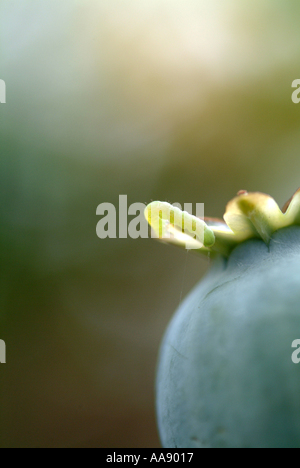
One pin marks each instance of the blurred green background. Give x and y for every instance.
(183, 101)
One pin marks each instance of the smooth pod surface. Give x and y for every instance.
(225, 375)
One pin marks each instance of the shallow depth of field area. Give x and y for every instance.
(159, 100)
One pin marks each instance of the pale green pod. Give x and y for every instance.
(228, 374)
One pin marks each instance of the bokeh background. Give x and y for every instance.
(184, 101)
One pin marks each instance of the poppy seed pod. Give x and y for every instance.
(225, 375)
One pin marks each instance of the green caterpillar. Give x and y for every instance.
(168, 221)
